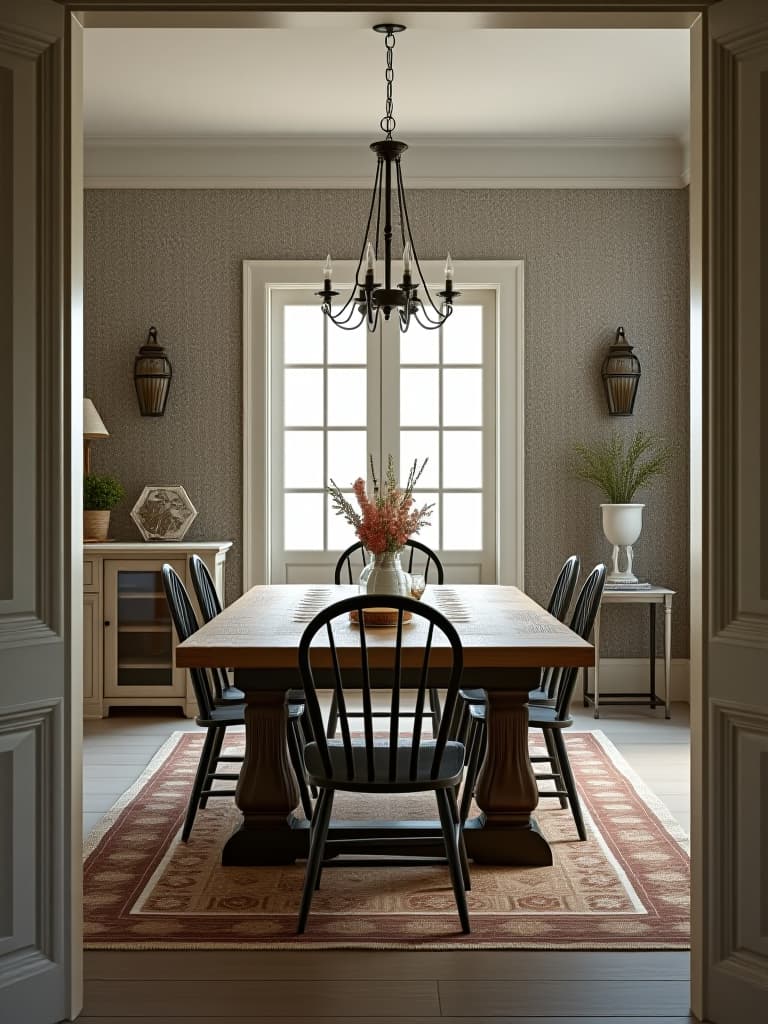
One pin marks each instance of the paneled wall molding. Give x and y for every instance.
(32, 611)
(29, 737)
(343, 162)
(24, 630)
(739, 615)
(738, 758)
(723, 375)
(25, 42)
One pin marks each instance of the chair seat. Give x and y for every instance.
(536, 696)
(539, 698)
(231, 696)
(547, 716)
(450, 770)
(234, 714)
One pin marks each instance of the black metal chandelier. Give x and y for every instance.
(368, 298)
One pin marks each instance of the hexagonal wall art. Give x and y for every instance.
(163, 512)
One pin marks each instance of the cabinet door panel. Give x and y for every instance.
(138, 636)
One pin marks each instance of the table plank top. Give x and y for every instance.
(500, 627)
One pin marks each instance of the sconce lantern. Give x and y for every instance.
(621, 375)
(152, 376)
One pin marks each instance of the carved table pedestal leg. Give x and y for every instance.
(506, 790)
(267, 791)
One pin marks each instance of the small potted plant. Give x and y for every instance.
(100, 495)
(619, 471)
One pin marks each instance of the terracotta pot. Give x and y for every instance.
(95, 525)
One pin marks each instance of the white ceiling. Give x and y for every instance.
(491, 83)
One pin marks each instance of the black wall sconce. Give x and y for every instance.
(152, 376)
(621, 375)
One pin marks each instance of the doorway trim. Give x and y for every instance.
(565, 14)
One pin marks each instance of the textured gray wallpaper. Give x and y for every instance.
(594, 259)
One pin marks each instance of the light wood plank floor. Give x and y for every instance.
(484, 987)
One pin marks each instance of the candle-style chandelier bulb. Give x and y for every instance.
(407, 251)
(368, 297)
(370, 259)
(327, 268)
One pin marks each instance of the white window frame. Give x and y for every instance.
(261, 278)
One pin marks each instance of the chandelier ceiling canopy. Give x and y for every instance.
(369, 298)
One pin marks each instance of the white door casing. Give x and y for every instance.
(40, 628)
(731, 736)
(266, 287)
(730, 970)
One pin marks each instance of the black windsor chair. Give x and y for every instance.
(210, 606)
(215, 719)
(426, 560)
(551, 720)
(559, 602)
(397, 765)
(226, 692)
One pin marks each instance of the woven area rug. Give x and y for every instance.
(627, 887)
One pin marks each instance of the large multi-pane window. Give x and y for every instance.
(339, 396)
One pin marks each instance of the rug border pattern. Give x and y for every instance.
(646, 795)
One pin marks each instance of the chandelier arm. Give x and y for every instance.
(338, 318)
(376, 193)
(401, 190)
(345, 325)
(429, 325)
(377, 187)
(405, 317)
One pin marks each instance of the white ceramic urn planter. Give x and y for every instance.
(622, 525)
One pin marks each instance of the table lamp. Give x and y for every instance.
(93, 426)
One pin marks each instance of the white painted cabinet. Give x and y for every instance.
(127, 633)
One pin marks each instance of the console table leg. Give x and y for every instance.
(596, 638)
(667, 657)
(652, 631)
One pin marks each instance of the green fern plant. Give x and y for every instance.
(618, 470)
(101, 493)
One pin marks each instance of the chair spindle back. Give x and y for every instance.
(205, 589)
(582, 620)
(185, 623)
(357, 675)
(355, 554)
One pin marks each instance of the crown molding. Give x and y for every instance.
(343, 162)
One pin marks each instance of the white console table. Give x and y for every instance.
(651, 596)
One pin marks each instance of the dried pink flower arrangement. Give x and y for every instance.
(386, 521)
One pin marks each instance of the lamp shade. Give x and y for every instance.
(621, 375)
(93, 425)
(152, 376)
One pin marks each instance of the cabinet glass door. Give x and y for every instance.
(140, 637)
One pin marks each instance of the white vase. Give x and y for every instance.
(622, 525)
(385, 575)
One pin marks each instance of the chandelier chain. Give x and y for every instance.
(409, 300)
(388, 122)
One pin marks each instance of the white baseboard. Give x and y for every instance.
(633, 674)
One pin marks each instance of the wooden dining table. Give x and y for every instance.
(506, 638)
